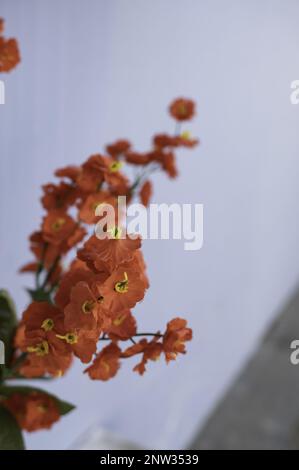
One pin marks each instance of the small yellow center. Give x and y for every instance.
(87, 306)
(41, 349)
(115, 166)
(186, 135)
(182, 109)
(115, 232)
(47, 324)
(122, 286)
(58, 224)
(119, 320)
(70, 338)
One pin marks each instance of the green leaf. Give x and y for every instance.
(8, 323)
(39, 295)
(10, 434)
(63, 406)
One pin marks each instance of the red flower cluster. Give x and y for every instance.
(73, 311)
(9, 51)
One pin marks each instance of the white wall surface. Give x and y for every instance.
(93, 71)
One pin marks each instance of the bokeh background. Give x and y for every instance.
(95, 71)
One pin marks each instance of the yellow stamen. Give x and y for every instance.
(47, 324)
(57, 225)
(118, 321)
(70, 338)
(115, 166)
(115, 232)
(182, 109)
(41, 349)
(186, 135)
(87, 306)
(122, 286)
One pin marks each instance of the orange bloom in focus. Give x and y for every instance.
(106, 364)
(118, 148)
(33, 411)
(40, 326)
(107, 254)
(123, 289)
(175, 337)
(182, 109)
(82, 311)
(146, 193)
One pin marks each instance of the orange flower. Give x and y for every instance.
(42, 324)
(82, 311)
(9, 54)
(175, 337)
(82, 343)
(107, 254)
(29, 267)
(162, 141)
(88, 207)
(68, 281)
(44, 253)
(59, 196)
(106, 364)
(182, 109)
(59, 227)
(137, 158)
(36, 366)
(169, 164)
(146, 193)
(118, 148)
(123, 326)
(98, 169)
(150, 351)
(33, 411)
(123, 289)
(72, 172)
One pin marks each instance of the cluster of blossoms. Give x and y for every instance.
(73, 310)
(9, 51)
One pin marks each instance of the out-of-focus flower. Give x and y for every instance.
(9, 51)
(33, 411)
(175, 337)
(182, 109)
(146, 193)
(118, 148)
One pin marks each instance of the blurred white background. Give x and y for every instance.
(95, 71)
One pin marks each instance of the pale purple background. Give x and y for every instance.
(96, 70)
